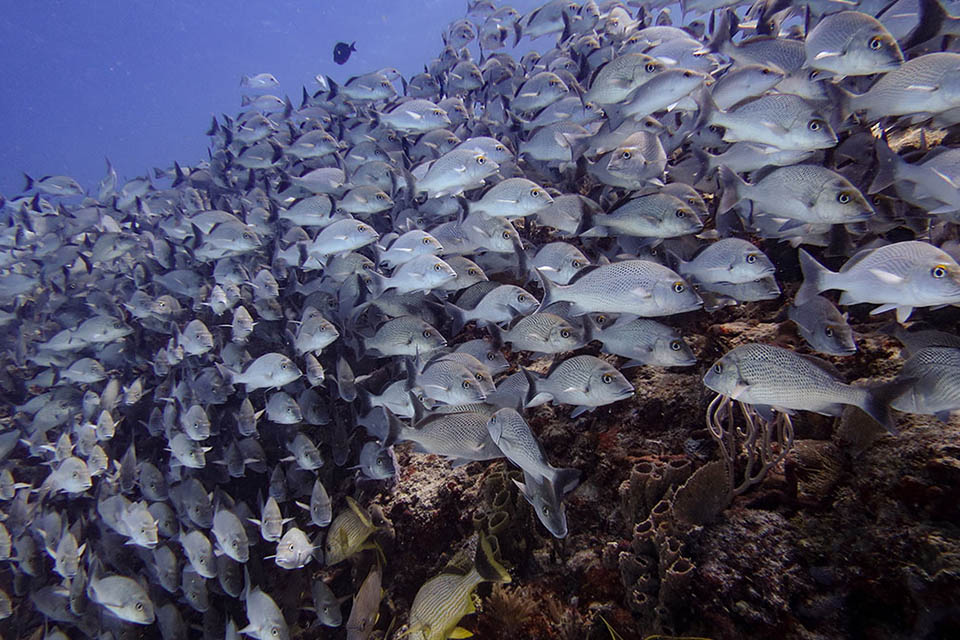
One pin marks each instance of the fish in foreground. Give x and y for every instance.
(898, 276)
(444, 599)
(342, 51)
(772, 378)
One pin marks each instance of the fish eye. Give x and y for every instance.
(828, 331)
(466, 384)
(479, 377)
(675, 345)
(506, 235)
(678, 287)
(625, 155)
(283, 365)
(607, 378)
(814, 125)
(564, 333)
(500, 148)
(679, 213)
(481, 160)
(380, 196)
(471, 271)
(718, 368)
(939, 271)
(246, 235)
(535, 193)
(360, 228)
(437, 112)
(437, 267)
(427, 333)
(765, 71)
(843, 198)
(814, 75)
(139, 606)
(521, 298)
(650, 67)
(687, 74)
(384, 83)
(275, 632)
(876, 42)
(426, 241)
(577, 264)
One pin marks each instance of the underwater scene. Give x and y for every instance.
(601, 320)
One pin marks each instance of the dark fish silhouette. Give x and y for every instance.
(341, 52)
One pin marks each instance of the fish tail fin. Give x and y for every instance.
(732, 183)
(29, 184)
(725, 28)
(353, 46)
(704, 169)
(487, 565)
(706, 107)
(888, 163)
(877, 399)
(244, 79)
(378, 283)
(496, 333)
(549, 291)
(843, 99)
(813, 273)
(565, 481)
(457, 315)
(334, 88)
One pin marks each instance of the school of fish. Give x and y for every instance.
(192, 359)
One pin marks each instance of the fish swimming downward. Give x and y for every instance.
(222, 382)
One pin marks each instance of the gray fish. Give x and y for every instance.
(460, 437)
(656, 215)
(644, 341)
(559, 262)
(923, 85)
(802, 192)
(547, 501)
(637, 287)
(728, 260)
(512, 198)
(320, 508)
(326, 604)
(851, 43)
(932, 375)
(454, 172)
(780, 120)
(294, 550)
(365, 610)
(502, 304)
(123, 597)
(541, 333)
(283, 409)
(230, 535)
(512, 434)
(271, 370)
(265, 620)
(823, 327)
(585, 381)
(377, 462)
(769, 377)
(897, 276)
(199, 552)
(403, 336)
(619, 78)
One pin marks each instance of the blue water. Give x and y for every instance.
(137, 81)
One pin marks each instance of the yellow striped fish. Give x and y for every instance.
(443, 600)
(348, 533)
